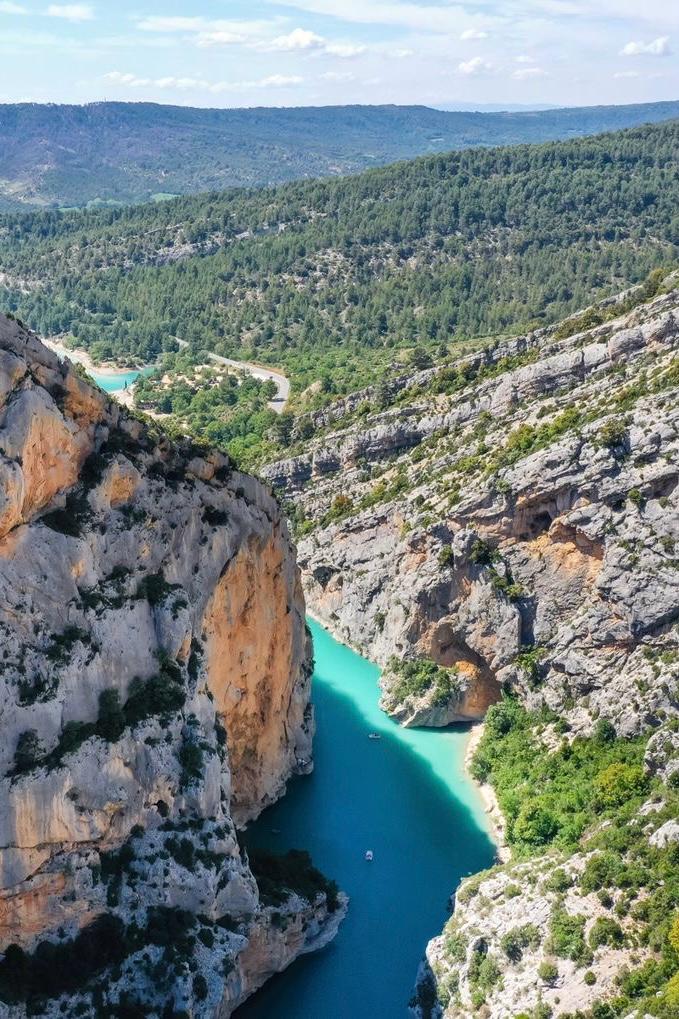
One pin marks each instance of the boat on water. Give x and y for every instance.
(374, 735)
(369, 855)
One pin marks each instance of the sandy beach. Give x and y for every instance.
(492, 807)
(80, 356)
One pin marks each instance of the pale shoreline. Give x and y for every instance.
(80, 356)
(496, 821)
(491, 806)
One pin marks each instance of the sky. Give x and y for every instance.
(316, 52)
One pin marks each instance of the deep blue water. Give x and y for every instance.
(407, 798)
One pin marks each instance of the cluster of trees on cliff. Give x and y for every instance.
(328, 279)
(221, 408)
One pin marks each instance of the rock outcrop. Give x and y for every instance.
(515, 519)
(511, 524)
(155, 677)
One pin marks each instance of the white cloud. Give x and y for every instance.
(298, 39)
(192, 84)
(523, 58)
(9, 8)
(525, 73)
(401, 54)
(627, 74)
(219, 37)
(477, 65)
(421, 17)
(118, 78)
(338, 76)
(345, 50)
(71, 12)
(473, 33)
(163, 24)
(656, 48)
(302, 40)
(206, 31)
(278, 81)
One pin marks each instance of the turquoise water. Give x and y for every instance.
(113, 383)
(407, 798)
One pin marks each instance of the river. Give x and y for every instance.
(407, 798)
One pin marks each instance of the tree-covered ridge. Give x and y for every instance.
(126, 152)
(328, 279)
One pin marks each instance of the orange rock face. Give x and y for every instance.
(252, 642)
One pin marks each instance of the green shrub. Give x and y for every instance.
(589, 977)
(73, 735)
(559, 880)
(446, 557)
(111, 720)
(606, 931)
(191, 760)
(613, 434)
(28, 753)
(484, 973)
(548, 972)
(514, 941)
(482, 554)
(601, 871)
(162, 694)
(154, 588)
(567, 936)
(528, 662)
(53, 969)
(183, 851)
(455, 946)
(278, 875)
(604, 731)
(535, 825)
(618, 782)
(64, 522)
(199, 987)
(415, 678)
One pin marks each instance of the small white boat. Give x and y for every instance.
(374, 735)
(369, 856)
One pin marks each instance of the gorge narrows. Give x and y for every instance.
(408, 799)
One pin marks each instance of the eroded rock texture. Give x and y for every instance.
(154, 675)
(514, 520)
(514, 517)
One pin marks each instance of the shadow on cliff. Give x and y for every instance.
(389, 796)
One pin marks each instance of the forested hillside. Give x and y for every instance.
(126, 152)
(330, 279)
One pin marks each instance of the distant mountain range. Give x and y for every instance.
(130, 152)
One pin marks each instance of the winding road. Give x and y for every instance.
(258, 371)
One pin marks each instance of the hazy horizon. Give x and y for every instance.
(207, 53)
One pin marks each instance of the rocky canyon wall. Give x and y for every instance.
(155, 678)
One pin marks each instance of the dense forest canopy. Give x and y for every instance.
(330, 279)
(133, 152)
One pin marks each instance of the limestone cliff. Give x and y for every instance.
(512, 518)
(510, 523)
(155, 676)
